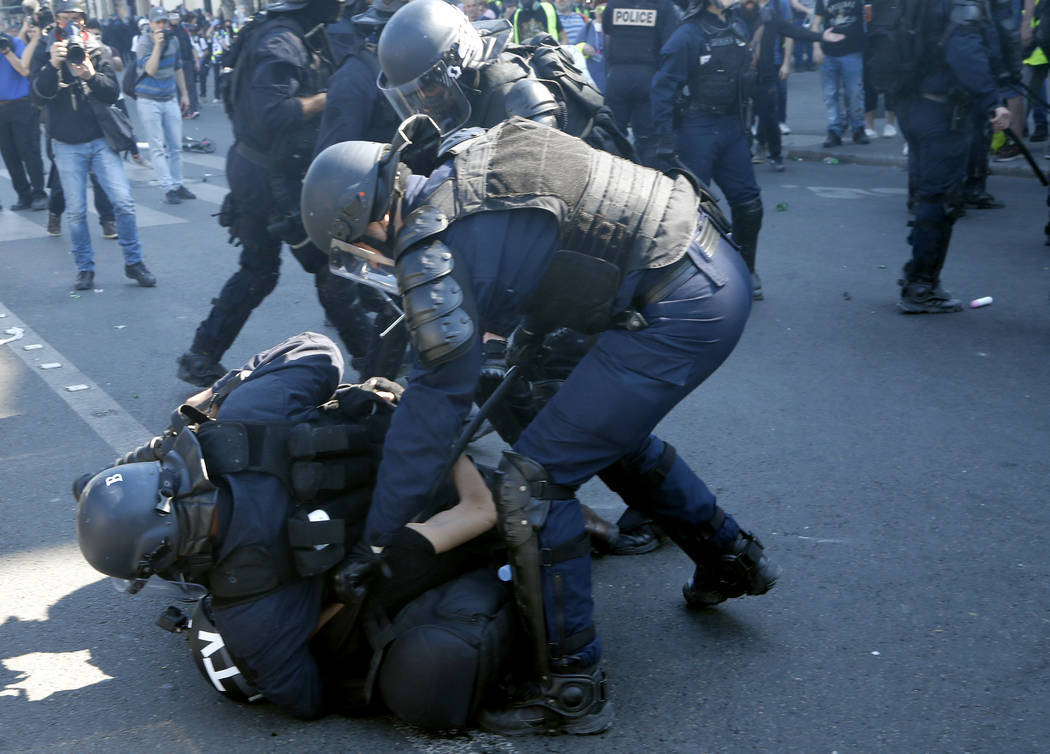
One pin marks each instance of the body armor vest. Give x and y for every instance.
(634, 36)
(715, 82)
(615, 216)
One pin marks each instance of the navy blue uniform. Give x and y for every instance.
(937, 128)
(635, 30)
(269, 636)
(265, 190)
(605, 411)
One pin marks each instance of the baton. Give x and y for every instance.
(468, 432)
(1027, 155)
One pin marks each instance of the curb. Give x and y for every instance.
(1016, 169)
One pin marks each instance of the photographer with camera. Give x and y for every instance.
(72, 77)
(20, 127)
(160, 62)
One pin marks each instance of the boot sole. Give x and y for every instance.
(906, 308)
(591, 725)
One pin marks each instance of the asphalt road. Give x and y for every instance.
(895, 466)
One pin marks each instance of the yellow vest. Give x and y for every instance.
(552, 21)
(1038, 57)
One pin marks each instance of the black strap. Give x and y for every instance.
(710, 527)
(656, 476)
(669, 280)
(543, 490)
(576, 547)
(573, 644)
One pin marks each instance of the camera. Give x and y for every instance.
(168, 33)
(75, 52)
(6, 45)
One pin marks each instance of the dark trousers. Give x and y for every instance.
(938, 158)
(627, 95)
(606, 411)
(766, 97)
(57, 202)
(203, 79)
(260, 262)
(20, 147)
(191, 90)
(715, 147)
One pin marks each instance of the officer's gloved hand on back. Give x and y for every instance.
(526, 349)
(352, 578)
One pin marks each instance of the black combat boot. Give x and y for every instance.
(572, 703)
(741, 568)
(924, 298)
(199, 369)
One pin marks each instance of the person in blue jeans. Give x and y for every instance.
(77, 95)
(842, 68)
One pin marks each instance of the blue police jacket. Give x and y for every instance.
(268, 637)
(506, 253)
(13, 85)
(962, 63)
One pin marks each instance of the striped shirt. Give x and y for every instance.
(161, 85)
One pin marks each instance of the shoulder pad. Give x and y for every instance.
(422, 223)
(530, 99)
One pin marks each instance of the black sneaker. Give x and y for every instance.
(981, 199)
(54, 224)
(645, 538)
(742, 568)
(1008, 153)
(140, 274)
(833, 140)
(1040, 134)
(24, 202)
(574, 704)
(185, 193)
(109, 229)
(172, 197)
(198, 369)
(922, 298)
(859, 137)
(84, 281)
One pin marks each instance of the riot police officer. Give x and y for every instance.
(710, 54)
(525, 219)
(935, 121)
(280, 66)
(635, 30)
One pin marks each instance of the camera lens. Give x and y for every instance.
(75, 53)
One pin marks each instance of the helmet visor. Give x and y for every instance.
(435, 93)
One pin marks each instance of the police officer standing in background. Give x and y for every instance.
(935, 120)
(635, 30)
(710, 54)
(281, 64)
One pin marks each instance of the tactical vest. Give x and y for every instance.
(615, 217)
(634, 33)
(716, 79)
(328, 464)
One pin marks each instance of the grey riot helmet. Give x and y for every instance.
(348, 185)
(214, 660)
(126, 526)
(378, 13)
(423, 50)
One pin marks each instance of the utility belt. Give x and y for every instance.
(706, 108)
(253, 155)
(958, 109)
(668, 279)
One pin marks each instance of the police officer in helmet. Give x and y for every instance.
(510, 225)
(709, 57)
(635, 30)
(281, 63)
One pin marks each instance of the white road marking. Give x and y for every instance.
(94, 406)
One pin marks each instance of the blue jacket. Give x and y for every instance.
(963, 63)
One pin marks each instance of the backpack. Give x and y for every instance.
(131, 76)
(897, 56)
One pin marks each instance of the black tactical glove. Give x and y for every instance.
(493, 361)
(352, 578)
(526, 349)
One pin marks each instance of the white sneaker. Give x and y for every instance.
(870, 133)
(889, 131)
(785, 129)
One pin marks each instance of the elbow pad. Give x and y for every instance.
(437, 298)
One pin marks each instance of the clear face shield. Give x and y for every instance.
(435, 93)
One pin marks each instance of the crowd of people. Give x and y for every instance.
(516, 195)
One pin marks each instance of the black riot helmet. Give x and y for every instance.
(318, 11)
(354, 183)
(423, 51)
(214, 660)
(126, 526)
(378, 13)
